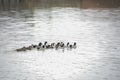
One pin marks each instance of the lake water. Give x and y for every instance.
(96, 31)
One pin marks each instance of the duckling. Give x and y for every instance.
(34, 46)
(24, 48)
(40, 44)
(62, 45)
(71, 46)
(43, 46)
(57, 45)
(45, 43)
(52, 45)
(74, 44)
(38, 47)
(28, 48)
(48, 46)
(68, 44)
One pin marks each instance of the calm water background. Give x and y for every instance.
(96, 29)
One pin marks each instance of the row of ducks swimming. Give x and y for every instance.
(46, 45)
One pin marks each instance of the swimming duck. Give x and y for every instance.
(48, 46)
(68, 44)
(38, 47)
(45, 43)
(40, 44)
(43, 46)
(21, 49)
(29, 48)
(74, 44)
(71, 46)
(57, 45)
(62, 45)
(52, 45)
(34, 46)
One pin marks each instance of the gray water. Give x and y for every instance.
(96, 31)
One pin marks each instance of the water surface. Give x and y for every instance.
(96, 31)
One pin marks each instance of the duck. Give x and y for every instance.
(68, 44)
(71, 46)
(40, 44)
(43, 46)
(45, 42)
(57, 45)
(38, 47)
(74, 45)
(62, 45)
(29, 48)
(52, 45)
(21, 49)
(48, 46)
(34, 46)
